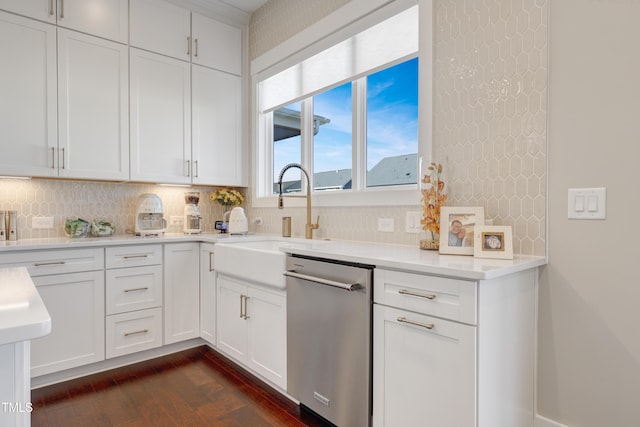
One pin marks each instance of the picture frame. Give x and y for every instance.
(457, 228)
(493, 241)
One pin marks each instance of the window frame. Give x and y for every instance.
(359, 195)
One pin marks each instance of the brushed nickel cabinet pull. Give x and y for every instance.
(246, 316)
(195, 168)
(51, 12)
(45, 264)
(63, 156)
(416, 294)
(135, 256)
(188, 45)
(61, 9)
(411, 322)
(241, 306)
(146, 288)
(53, 157)
(188, 164)
(196, 43)
(210, 261)
(141, 331)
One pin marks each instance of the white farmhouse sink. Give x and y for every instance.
(260, 261)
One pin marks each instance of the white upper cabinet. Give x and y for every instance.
(160, 118)
(161, 27)
(216, 116)
(28, 121)
(102, 18)
(44, 10)
(93, 107)
(216, 45)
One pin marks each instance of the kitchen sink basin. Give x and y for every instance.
(261, 261)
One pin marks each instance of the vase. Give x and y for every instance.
(430, 244)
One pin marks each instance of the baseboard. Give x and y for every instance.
(541, 421)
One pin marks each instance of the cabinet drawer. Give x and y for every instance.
(448, 298)
(133, 256)
(132, 332)
(41, 263)
(130, 289)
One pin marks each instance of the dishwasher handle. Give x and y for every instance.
(341, 285)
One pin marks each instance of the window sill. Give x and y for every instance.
(372, 197)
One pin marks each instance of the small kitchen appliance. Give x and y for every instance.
(3, 226)
(192, 218)
(12, 225)
(238, 223)
(149, 216)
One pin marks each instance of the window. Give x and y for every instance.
(348, 115)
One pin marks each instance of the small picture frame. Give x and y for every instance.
(493, 241)
(457, 229)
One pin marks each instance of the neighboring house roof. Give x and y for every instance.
(395, 170)
(286, 123)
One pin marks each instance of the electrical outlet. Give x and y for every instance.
(42, 222)
(257, 220)
(386, 225)
(412, 222)
(176, 220)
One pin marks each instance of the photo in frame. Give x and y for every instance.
(493, 241)
(457, 229)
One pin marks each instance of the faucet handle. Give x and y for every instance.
(317, 224)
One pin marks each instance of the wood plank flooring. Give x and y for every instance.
(197, 387)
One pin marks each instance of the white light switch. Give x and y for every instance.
(587, 203)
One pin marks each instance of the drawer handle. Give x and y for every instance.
(146, 288)
(135, 256)
(415, 294)
(45, 264)
(141, 331)
(411, 322)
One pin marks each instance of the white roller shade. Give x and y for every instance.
(384, 43)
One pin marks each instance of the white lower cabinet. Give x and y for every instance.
(453, 352)
(134, 331)
(181, 292)
(207, 294)
(75, 302)
(410, 360)
(252, 327)
(133, 299)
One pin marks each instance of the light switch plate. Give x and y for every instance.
(412, 222)
(176, 220)
(587, 203)
(42, 222)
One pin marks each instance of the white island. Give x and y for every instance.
(23, 317)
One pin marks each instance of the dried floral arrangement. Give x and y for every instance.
(227, 197)
(433, 197)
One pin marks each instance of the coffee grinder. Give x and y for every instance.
(192, 218)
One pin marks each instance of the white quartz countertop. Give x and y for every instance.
(398, 257)
(23, 315)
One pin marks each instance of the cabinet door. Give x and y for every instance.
(44, 10)
(93, 107)
(181, 292)
(267, 335)
(162, 27)
(422, 375)
(102, 18)
(232, 327)
(217, 143)
(160, 118)
(76, 304)
(207, 294)
(28, 115)
(216, 45)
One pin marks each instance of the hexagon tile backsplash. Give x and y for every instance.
(490, 121)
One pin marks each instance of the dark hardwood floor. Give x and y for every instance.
(196, 387)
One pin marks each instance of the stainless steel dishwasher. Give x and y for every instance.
(329, 321)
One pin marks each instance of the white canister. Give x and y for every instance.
(3, 225)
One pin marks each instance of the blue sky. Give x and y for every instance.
(392, 125)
